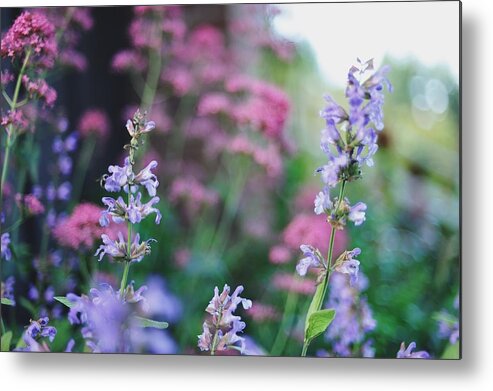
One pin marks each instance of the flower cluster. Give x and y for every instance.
(36, 330)
(354, 318)
(134, 210)
(108, 317)
(448, 324)
(5, 247)
(94, 121)
(348, 140)
(32, 33)
(220, 331)
(7, 289)
(408, 352)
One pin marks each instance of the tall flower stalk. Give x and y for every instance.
(133, 210)
(349, 141)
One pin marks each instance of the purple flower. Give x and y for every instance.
(330, 172)
(7, 289)
(357, 213)
(147, 179)
(408, 353)
(220, 332)
(312, 258)
(322, 202)
(64, 191)
(109, 319)
(4, 247)
(134, 212)
(139, 125)
(349, 265)
(39, 329)
(354, 318)
(33, 293)
(65, 164)
(118, 249)
(118, 177)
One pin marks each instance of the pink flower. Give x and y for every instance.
(82, 229)
(280, 254)
(179, 78)
(94, 121)
(31, 31)
(263, 312)
(40, 89)
(312, 230)
(126, 60)
(31, 204)
(214, 103)
(193, 194)
(182, 257)
(289, 282)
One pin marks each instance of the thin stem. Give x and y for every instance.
(282, 335)
(10, 131)
(325, 282)
(123, 284)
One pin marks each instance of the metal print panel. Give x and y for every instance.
(272, 180)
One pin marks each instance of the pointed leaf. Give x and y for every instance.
(144, 322)
(6, 301)
(5, 342)
(318, 323)
(317, 299)
(64, 301)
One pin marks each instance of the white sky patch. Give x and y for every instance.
(338, 33)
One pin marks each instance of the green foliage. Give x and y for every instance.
(5, 341)
(318, 322)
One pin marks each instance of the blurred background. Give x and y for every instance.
(236, 91)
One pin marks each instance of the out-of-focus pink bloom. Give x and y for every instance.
(312, 230)
(180, 79)
(280, 254)
(40, 89)
(32, 32)
(30, 203)
(94, 121)
(82, 229)
(263, 312)
(6, 77)
(128, 60)
(305, 198)
(182, 257)
(289, 282)
(193, 194)
(15, 118)
(214, 103)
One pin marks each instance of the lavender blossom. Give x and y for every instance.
(4, 247)
(124, 178)
(36, 330)
(108, 317)
(7, 289)
(220, 332)
(408, 352)
(118, 249)
(134, 212)
(357, 213)
(323, 204)
(346, 264)
(354, 319)
(312, 258)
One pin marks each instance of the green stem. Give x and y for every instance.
(282, 334)
(325, 282)
(123, 284)
(10, 132)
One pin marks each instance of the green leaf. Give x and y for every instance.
(144, 322)
(5, 342)
(64, 301)
(6, 301)
(317, 299)
(318, 323)
(452, 352)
